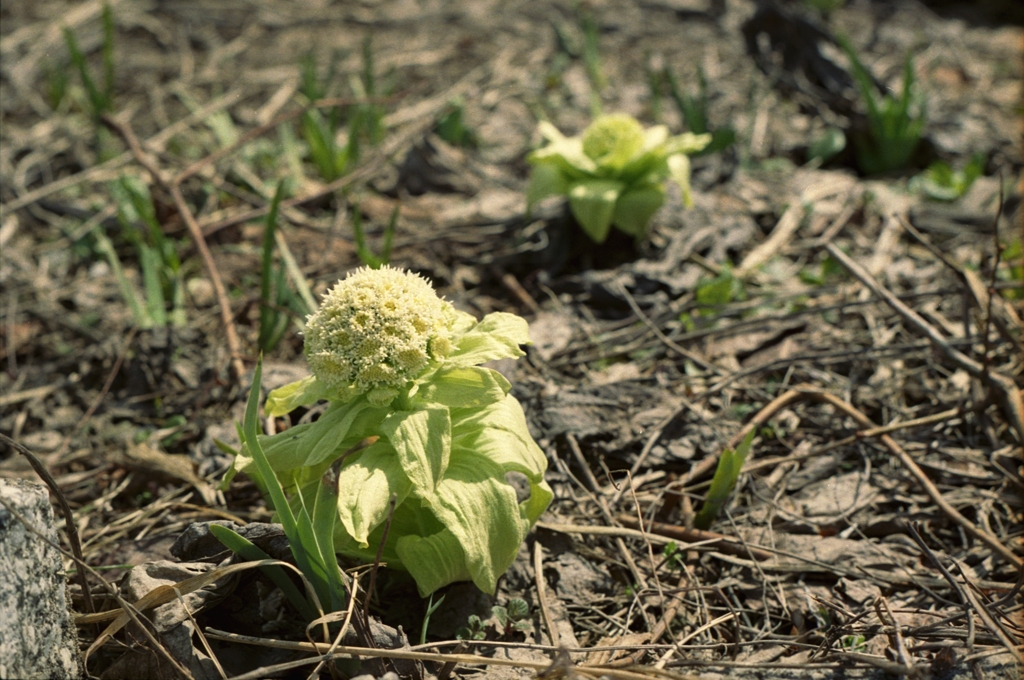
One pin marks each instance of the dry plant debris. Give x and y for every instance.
(867, 333)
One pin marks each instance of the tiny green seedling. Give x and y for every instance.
(613, 174)
(722, 484)
(475, 629)
(941, 182)
(712, 295)
(452, 128)
(826, 147)
(895, 124)
(829, 269)
(415, 419)
(1013, 256)
(512, 618)
(507, 621)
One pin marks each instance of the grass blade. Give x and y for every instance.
(268, 313)
(273, 486)
(245, 549)
(722, 484)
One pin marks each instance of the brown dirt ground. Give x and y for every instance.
(635, 383)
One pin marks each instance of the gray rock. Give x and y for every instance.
(38, 637)
(171, 621)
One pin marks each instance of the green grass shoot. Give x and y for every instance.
(722, 484)
(895, 123)
(367, 256)
(452, 128)
(310, 531)
(159, 263)
(278, 303)
(101, 96)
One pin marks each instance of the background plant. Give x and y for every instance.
(694, 110)
(941, 182)
(613, 174)
(99, 95)
(895, 124)
(364, 120)
(160, 266)
(506, 621)
(363, 251)
(278, 303)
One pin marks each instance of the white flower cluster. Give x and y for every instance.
(376, 330)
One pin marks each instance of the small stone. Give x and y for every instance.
(38, 637)
(201, 291)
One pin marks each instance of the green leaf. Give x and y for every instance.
(326, 435)
(289, 397)
(303, 557)
(593, 203)
(499, 433)
(433, 561)
(634, 209)
(540, 498)
(464, 386)
(687, 143)
(679, 168)
(324, 517)
(364, 489)
(565, 153)
(729, 467)
(497, 336)
(476, 504)
(245, 549)
(545, 180)
(422, 439)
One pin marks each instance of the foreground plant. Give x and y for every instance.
(439, 433)
(614, 173)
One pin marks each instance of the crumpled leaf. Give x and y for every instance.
(422, 440)
(433, 561)
(499, 432)
(497, 336)
(464, 387)
(365, 486)
(479, 507)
